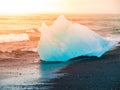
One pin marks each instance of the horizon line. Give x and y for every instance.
(53, 13)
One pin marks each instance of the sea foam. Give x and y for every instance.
(13, 37)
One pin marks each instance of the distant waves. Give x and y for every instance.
(13, 37)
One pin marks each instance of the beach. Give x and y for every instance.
(82, 73)
(22, 69)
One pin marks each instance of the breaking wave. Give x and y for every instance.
(13, 37)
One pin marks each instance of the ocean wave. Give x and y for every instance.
(13, 37)
(113, 38)
(19, 50)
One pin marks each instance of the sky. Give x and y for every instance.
(59, 6)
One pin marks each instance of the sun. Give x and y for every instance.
(28, 6)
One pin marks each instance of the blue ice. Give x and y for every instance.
(64, 40)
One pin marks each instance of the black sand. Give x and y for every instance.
(82, 73)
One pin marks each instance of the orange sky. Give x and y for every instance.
(62, 6)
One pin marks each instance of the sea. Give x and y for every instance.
(20, 32)
(20, 68)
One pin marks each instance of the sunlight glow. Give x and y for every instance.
(27, 6)
(61, 6)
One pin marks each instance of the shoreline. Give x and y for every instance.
(89, 74)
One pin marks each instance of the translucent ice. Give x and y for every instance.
(65, 40)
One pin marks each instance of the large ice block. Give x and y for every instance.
(65, 40)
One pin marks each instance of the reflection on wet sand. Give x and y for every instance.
(27, 74)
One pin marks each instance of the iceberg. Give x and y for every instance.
(64, 40)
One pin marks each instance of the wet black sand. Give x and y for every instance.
(82, 73)
(91, 74)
